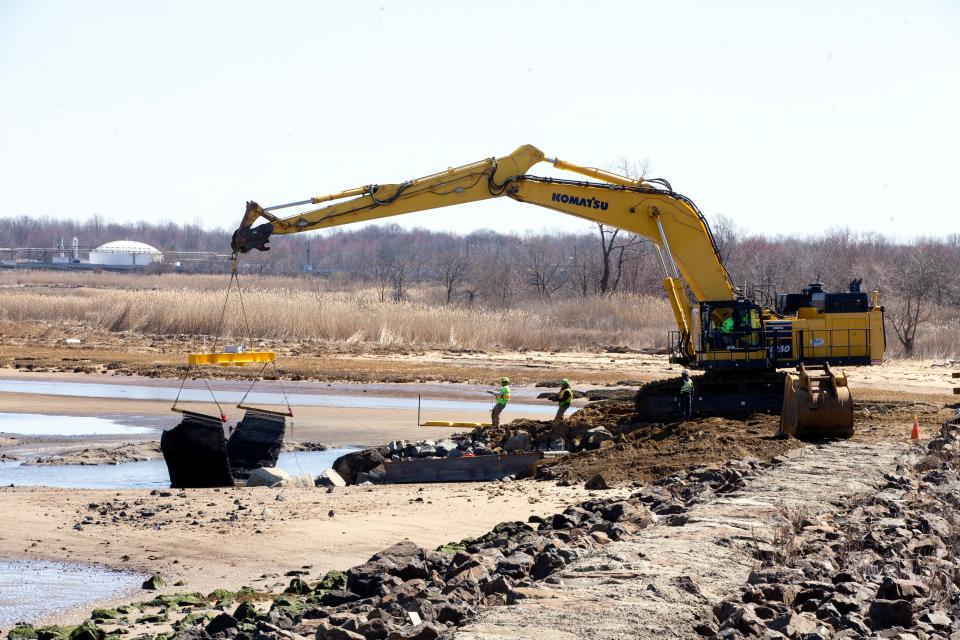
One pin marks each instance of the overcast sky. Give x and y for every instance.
(788, 117)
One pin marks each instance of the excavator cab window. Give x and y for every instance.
(731, 325)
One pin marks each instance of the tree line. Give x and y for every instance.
(917, 281)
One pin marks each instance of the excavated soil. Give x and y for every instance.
(643, 452)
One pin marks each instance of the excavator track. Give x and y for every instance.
(715, 394)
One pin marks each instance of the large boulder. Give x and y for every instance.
(596, 482)
(516, 565)
(597, 435)
(327, 631)
(623, 511)
(404, 560)
(86, 631)
(153, 583)
(330, 478)
(890, 613)
(519, 442)
(444, 447)
(349, 465)
(794, 625)
(407, 559)
(899, 589)
(223, 622)
(304, 481)
(336, 597)
(267, 477)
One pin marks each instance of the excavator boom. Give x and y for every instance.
(671, 221)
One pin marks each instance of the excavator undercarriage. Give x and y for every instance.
(716, 393)
(810, 406)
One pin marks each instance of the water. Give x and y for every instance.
(201, 394)
(32, 589)
(148, 474)
(35, 424)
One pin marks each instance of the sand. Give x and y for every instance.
(268, 536)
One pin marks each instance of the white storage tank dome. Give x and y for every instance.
(125, 253)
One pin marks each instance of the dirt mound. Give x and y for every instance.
(647, 452)
(643, 452)
(612, 415)
(632, 450)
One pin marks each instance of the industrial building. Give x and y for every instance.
(125, 253)
(118, 255)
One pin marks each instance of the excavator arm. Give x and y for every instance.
(647, 208)
(469, 183)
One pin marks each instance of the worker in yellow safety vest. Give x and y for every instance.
(503, 397)
(685, 397)
(565, 397)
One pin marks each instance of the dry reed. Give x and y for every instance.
(635, 321)
(282, 307)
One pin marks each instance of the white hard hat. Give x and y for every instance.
(685, 373)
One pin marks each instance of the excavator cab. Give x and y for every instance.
(731, 336)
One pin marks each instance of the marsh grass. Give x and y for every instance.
(281, 307)
(301, 308)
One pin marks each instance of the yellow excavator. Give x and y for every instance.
(740, 339)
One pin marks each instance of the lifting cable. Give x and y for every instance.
(266, 358)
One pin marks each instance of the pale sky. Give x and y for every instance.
(788, 117)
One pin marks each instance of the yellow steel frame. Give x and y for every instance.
(231, 359)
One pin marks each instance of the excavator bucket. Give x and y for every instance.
(816, 406)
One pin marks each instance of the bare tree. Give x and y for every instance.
(611, 248)
(915, 286)
(725, 236)
(613, 252)
(544, 266)
(399, 276)
(583, 271)
(381, 278)
(451, 269)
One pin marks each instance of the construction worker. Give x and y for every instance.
(685, 397)
(726, 331)
(564, 398)
(503, 397)
(727, 325)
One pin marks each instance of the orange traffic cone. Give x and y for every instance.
(915, 434)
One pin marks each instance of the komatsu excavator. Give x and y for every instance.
(740, 342)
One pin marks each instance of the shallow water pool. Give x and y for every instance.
(235, 393)
(33, 589)
(37, 424)
(137, 475)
